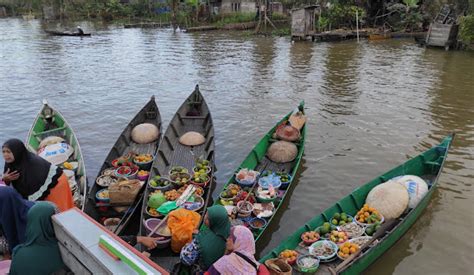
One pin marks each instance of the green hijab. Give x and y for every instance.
(212, 240)
(40, 253)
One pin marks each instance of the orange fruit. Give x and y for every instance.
(345, 250)
(352, 250)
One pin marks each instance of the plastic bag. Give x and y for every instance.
(182, 223)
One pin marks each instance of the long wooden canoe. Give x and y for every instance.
(427, 165)
(66, 33)
(258, 161)
(193, 115)
(56, 125)
(124, 144)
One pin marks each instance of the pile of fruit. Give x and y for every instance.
(289, 256)
(180, 178)
(310, 237)
(172, 195)
(341, 219)
(178, 169)
(231, 191)
(230, 194)
(346, 249)
(67, 165)
(143, 158)
(371, 229)
(242, 195)
(158, 181)
(325, 229)
(200, 177)
(124, 170)
(153, 212)
(202, 166)
(143, 173)
(368, 215)
(338, 236)
(122, 161)
(284, 177)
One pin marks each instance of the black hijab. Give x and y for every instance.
(33, 169)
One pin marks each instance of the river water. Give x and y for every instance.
(371, 106)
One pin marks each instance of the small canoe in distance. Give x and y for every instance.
(124, 145)
(258, 160)
(427, 165)
(66, 33)
(48, 123)
(192, 115)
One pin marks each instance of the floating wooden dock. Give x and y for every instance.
(147, 25)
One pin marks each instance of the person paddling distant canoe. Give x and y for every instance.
(79, 30)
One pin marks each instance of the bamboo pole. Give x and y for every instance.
(357, 24)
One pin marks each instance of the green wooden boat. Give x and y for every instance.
(50, 122)
(257, 160)
(427, 165)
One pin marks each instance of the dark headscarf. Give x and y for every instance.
(13, 215)
(41, 244)
(212, 240)
(33, 169)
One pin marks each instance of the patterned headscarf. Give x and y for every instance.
(244, 243)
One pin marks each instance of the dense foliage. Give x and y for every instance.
(466, 31)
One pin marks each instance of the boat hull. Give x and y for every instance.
(257, 160)
(428, 165)
(123, 145)
(38, 132)
(171, 153)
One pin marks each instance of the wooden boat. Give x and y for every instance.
(124, 145)
(193, 115)
(258, 161)
(379, 36)
(66, 33)
(50, 122)
(427, 165)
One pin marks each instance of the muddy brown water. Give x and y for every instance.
(371, 106)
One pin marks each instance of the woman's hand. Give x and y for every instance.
(149, 242)
(10, 176)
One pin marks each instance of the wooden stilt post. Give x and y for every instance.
(357, 24)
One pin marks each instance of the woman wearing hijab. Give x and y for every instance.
(13, 216)
(241, 260)
(34, 177)
(210, 243)
(39, 254)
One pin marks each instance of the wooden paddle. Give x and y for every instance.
(180, 201)
(387, 225)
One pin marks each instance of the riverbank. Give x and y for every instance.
(371, 106)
